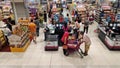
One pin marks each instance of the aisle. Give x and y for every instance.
(35, 56)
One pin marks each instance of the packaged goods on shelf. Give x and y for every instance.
(19, 43)
(3, 40)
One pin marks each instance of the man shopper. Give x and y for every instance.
(37, 22)
(84, 38)
(32, 30)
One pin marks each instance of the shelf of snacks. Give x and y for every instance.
(6, 10)
(97, 18)
(19, 43)
(3, 41)
(106, 9)
(20, 39)
(23, 22)
(1, 13)
(55, 9)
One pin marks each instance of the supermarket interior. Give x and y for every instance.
(59, 33)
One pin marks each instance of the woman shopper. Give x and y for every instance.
(64, 40)
(84, 38)
(65, 27)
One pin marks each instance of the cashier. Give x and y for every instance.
(110, 24)
(108, 19)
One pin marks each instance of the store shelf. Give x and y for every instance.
(23, 49)
(2, 39)
(21, 43)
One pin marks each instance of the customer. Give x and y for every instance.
(81, 26)
(12, 18)
(86, 26)
(76, 29)
(79, 18)
(61, 10)
(37, 22)
(65, 27)
(45, 16)
(67, 19)
(32, 30)
(61, 19)
(49, 29)
(70, 26)
(9, 24)
(84, 38)
(108, 18)
(50, 13)
(64, 41)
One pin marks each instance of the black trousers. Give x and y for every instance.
(37, 31)
(60, 43)
(10, 27)
(45, 36)
(45, 19)
(86, 29)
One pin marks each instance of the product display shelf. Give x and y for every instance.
(22, 46)
(23, 49)
(2, 39)
(55, 10)
(82, 11)
(97, 19)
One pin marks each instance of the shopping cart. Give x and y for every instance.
(51, 43)
(74, 46)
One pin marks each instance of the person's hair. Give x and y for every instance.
(67, 14)
(31, 20)
(36, 18)
(82, 32)
(52, 21)
(65, 25)
(70, 22)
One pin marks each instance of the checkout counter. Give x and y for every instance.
(110, 35)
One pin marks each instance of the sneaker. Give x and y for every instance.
(85, 54)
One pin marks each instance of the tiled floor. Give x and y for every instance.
(35, 56)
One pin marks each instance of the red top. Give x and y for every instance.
(65, 37)
(65, 29)
(61, 19)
